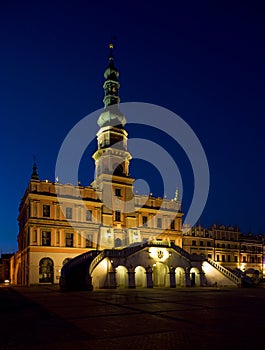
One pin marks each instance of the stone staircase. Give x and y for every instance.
(227, 273)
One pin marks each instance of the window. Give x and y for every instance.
(117, 215)
(201, 243)
(118, 242)
(172, 225)
(228, 246)
(69, 239)
(244, 259)
(88, 215)
(228, 258)
(46, 238)
(69, 213)
(208, 244)
(236, 258)
(144, 220)
(210, 256)
(159, 222)
(88, 241)
(35, 236)
(46, 270)
(218, 245)
(217, 257)
(193, 242)
(223, 258)
(46, 211)
(118, 192)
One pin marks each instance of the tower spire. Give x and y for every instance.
(111, 116)
(34, 175)
(111, 85)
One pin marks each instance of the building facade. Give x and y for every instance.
(118, 237)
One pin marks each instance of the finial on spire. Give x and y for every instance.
(111, 47)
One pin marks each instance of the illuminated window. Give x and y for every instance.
(46, 270)
(69, 213)
(46, 211)
(69, 239)
(144, 220)
(46, 238)
(117, 215)
(88, 215)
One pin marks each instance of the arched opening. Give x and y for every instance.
(100, 274)
(66, 261)
(122, 277)
(180, 277)
(195, 277)
(46, 270)
(118, 169)
(118, 242)
(140, 277)
(161, 275)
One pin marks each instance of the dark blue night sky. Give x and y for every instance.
(204, 60)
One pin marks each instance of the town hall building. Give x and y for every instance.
(135, 242)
